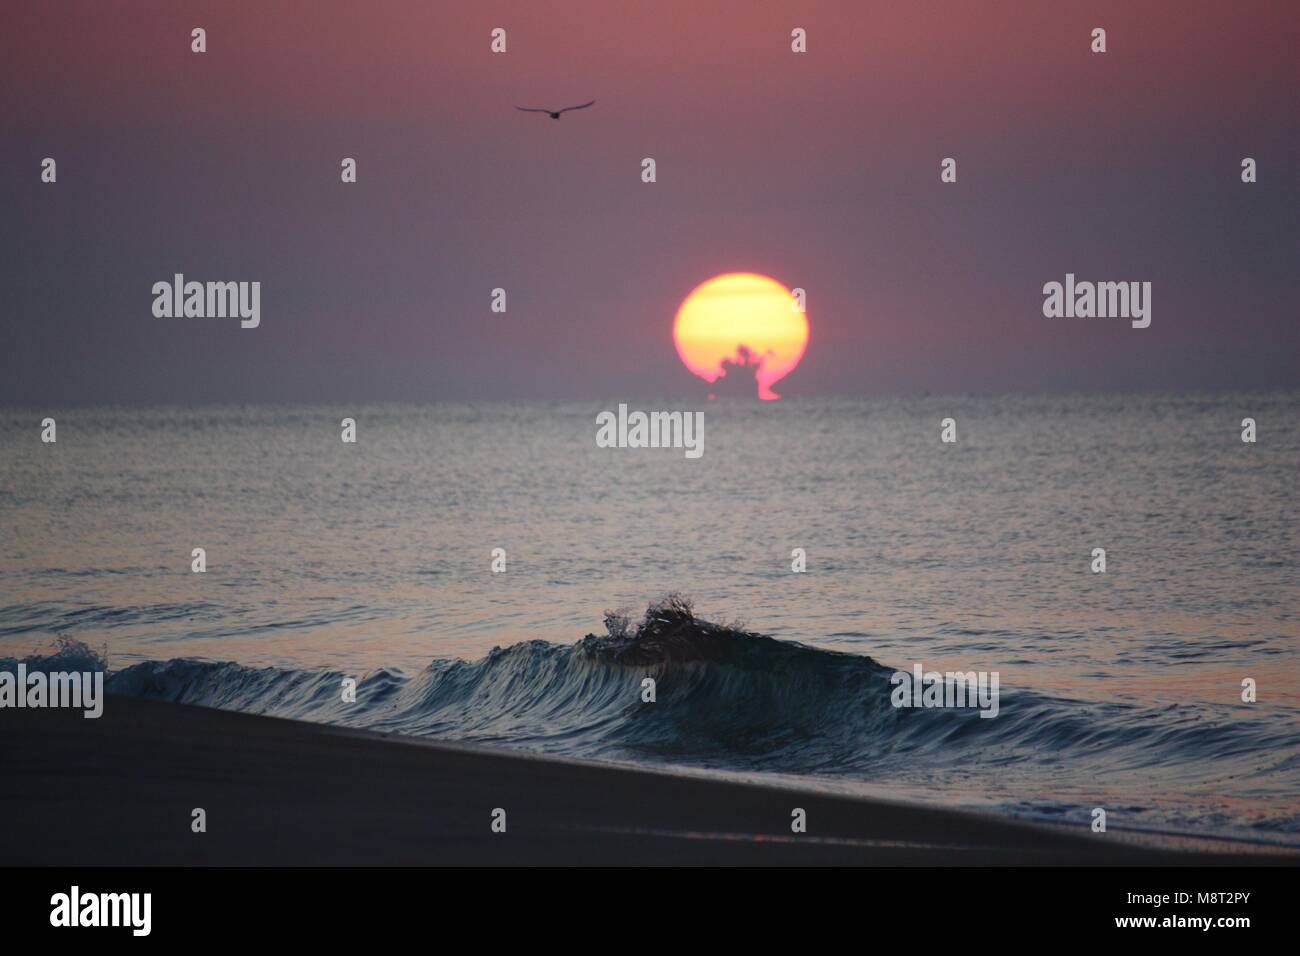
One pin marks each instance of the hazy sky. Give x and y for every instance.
(820, 169)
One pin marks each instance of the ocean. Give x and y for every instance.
(324, 560)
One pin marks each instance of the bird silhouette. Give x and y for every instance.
(554, 114)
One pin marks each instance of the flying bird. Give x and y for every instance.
(555, 114)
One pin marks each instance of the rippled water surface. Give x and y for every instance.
(1120, 689)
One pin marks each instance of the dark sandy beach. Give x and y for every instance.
(120, 791)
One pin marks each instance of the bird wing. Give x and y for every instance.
(529, 109)
(582, 107)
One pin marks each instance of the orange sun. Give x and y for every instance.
(741, 326)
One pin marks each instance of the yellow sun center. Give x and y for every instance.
(741, 325)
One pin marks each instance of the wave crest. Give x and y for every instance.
(727, 698)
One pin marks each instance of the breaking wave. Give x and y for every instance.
(730, 699)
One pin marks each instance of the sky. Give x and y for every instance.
(820, 169)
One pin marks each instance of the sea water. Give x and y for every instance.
(375, 560)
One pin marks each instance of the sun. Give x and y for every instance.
(741, 327)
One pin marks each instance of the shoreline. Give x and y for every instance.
(120, 790)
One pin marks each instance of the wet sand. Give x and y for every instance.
(119, 791)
